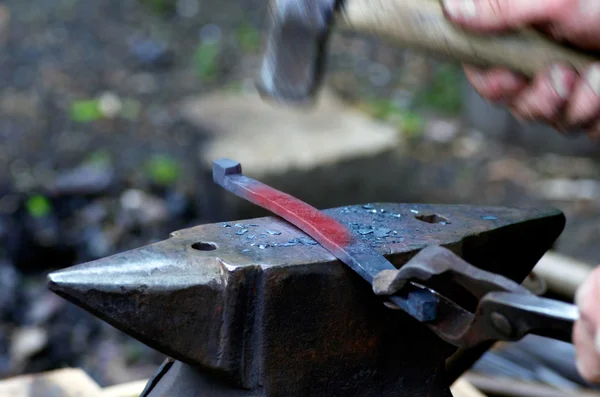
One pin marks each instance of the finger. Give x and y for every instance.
(579, 24)
(586, 353)
(587, 298)
(545, 98)
(495, 84)
(584, 104)
(489, 15)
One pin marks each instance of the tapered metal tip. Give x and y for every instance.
(143, 292)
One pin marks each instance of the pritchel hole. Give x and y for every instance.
(433, 218)
(202, 246)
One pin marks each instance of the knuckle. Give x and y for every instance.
(499, 8)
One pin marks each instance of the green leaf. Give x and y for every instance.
(85, 111)
(38, 206)
(206, 60)
(99, 158)
(163, 170)
(131, 109)
(160, 6)
(444, 94)
(248, 37)
(412, 124)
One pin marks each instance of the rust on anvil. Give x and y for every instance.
(260, 304)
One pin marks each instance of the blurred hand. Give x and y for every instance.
(558, 95)
(586, 333)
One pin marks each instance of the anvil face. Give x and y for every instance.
(261, 307)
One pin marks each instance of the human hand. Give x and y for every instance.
(558, 95)
(586, 333)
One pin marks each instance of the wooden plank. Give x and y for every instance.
(561, 273)
(462, 388)
(131, 389)
(76, 383)
(509, 387)
(69, 382)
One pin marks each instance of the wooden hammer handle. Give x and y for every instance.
(422, 25)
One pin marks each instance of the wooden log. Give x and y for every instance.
(131, 389)
(68, 382)
(463, 388)
(561, 273)
(509, 387)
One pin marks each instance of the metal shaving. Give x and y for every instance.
(273, 232)
(307, 241)
(382, 232)
(241, 232)
(489, 218)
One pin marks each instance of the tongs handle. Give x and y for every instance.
(512, 316)
(422, 25)
(509, 316)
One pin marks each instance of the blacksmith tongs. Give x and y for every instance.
(505, 310)
(501, 308)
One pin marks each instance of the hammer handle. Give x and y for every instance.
(422, 25)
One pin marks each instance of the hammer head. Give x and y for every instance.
(294, 58)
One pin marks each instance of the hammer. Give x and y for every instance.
(294, 59)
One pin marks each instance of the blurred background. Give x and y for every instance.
(111, 112)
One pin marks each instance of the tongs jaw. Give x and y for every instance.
(505, 309)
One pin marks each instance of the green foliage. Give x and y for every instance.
(38, 206)
(444, 94)
(99, 158)
(85, 111)
(206, 60)
(130, 109)
(160, 6)
(409, 123)
(88, 110)
(162, 170)
(248, 37)
(412, 124)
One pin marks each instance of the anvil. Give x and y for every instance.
(255, 307)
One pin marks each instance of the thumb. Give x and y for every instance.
(494, 15)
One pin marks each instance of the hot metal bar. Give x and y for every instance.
(327, 231)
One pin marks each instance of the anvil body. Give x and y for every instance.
(257, 308)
